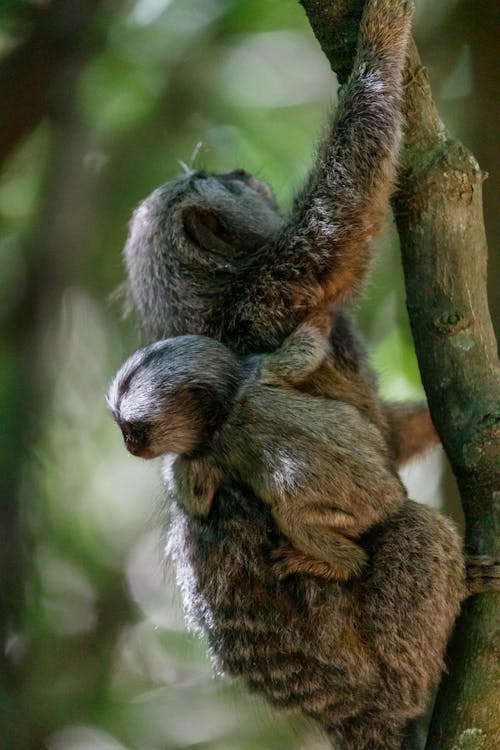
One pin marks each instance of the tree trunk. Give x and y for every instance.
(438, 212)
(32, 73)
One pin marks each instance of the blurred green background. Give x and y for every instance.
(97, 655)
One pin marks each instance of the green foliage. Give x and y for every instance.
(106, 662)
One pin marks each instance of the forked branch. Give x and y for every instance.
(438, 211)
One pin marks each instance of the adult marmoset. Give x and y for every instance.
(323, 469)
(212, 255)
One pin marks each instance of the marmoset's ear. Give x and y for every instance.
(207, 229)
(206, 403)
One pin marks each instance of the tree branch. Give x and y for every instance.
(25, 320)
(438, 212)
(32, 74)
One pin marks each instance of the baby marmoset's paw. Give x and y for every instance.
(348, 563)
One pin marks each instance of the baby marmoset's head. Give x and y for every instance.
(170, 396)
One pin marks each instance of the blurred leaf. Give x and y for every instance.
(105, 659)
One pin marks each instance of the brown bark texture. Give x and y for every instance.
(438, 211)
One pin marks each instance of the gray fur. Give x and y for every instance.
(323, 469)
(362, 656)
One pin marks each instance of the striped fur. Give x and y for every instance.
(212, 255)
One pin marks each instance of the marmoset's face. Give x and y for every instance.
(153, 401)
(177, 432)
(137, 437)
(164, 398)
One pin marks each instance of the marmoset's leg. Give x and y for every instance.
(318, 546)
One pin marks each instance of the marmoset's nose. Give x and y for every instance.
(133, 444)
(136, 437)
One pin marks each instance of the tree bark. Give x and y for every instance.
(438, 213)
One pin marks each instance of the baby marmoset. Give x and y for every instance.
(324, 470)
(212, 255)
